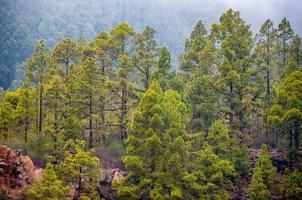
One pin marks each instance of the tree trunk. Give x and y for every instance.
(231, 104)
(40, 108)
(284, 55)
(147, 78)
(296, 140)
(90, 122)
(37, 116)
(102, 116)
(123, 112)
(291, 148)
(56, 126)
(26, 128)
(102, 106)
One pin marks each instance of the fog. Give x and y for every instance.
(255, 12)
(26, 22)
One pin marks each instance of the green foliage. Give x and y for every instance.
(189, 61)
(185, 132)
(80, 168)
(257, 189)
(266, 168)
(163, 70)
(240, 160)
(145, 56)
(7, 117)
(263, 176)
(294, 186)
(287, 110)
(285, 35)
(211, 177)
(218, 138)
(49, 187)
(156, 151)
(296, 50)
(233, 38)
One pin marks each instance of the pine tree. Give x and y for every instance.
(287, 111)
(37, 66)
(263, 176)
(218, 138)
(100, 46)
(89, 85)
(163, 70)
(266, 39)
(294, 186)
(201, 95)
(145, 55)
(284, 35)
(54, 102)
(258, 190)
(295, 51)
(7, 117)
(66, 53)
(210, 177)
(119, 41)
(80, 169)
(156, 151)
(234, 43)
(190, 59)
(48, 187)
(25, 109)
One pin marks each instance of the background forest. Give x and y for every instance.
(84, 96)
(23, 23)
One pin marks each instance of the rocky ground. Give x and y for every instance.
(17, 172)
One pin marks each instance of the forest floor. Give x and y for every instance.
(279, 160)
(240, 190)
(111, 154)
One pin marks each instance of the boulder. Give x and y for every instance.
(109, 177)
(16, 172)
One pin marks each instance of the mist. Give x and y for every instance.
(173, 20)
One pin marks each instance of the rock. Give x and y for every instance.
(117, 175)
(109, 177)
(17, 172)
(71, 193)
(38, 174)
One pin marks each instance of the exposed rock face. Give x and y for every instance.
(110, 176)
(16, 172)
(278, 158)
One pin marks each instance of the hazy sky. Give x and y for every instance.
(257, 11)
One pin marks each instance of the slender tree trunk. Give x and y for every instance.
(26, 128)
(147, 78)
(67, 68)
(275, 143)
(79, 185)
(268, 91)
(90, 122)
(40, 108)
(268, 68)
(5, 130)
(56, 126)
(291, 148)
(37, 116)
(102, 106)
(102, 116)
(284, 55)
(123, 113)
(231, 104)
(296, 139)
